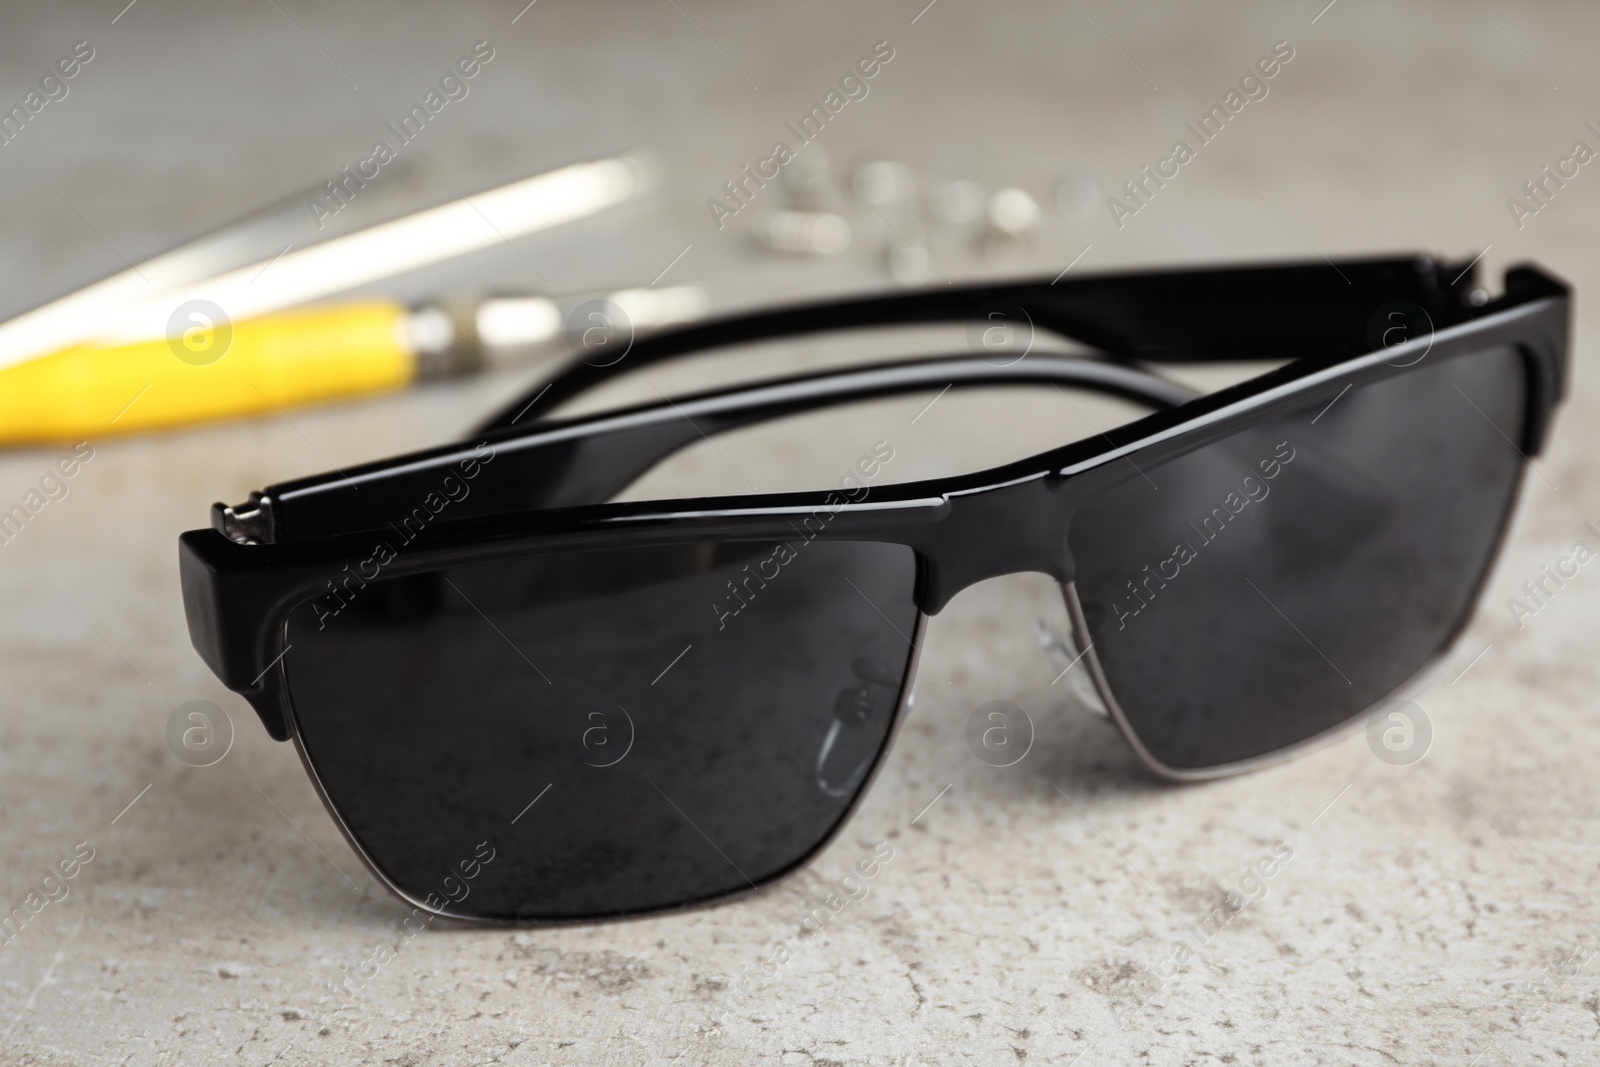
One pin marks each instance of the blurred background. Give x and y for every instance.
(1433, 912)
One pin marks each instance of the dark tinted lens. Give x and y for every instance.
(685, 721)
(1266, 588)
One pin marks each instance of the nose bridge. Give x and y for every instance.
(1004, 530)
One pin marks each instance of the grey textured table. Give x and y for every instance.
(1434, 913)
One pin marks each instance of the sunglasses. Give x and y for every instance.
(521, 702)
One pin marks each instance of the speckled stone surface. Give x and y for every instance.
(1440, 912)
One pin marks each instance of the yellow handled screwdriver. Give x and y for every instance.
(216, 370)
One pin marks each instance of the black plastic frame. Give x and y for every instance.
(544, 490)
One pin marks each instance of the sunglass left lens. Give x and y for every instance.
(604, 732)
(1270, 586)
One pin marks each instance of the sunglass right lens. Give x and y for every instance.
(622, 729)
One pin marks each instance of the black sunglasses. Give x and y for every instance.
(629, 707)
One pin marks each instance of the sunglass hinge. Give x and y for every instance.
(248, 524)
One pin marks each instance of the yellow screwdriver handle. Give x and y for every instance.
(211, 372)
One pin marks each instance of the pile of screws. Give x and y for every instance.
(812, 222)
